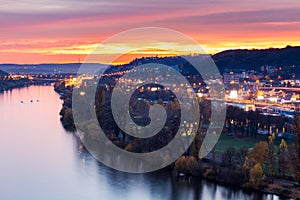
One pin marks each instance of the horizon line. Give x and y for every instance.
(150, 55)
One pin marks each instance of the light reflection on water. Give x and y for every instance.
(40, 160)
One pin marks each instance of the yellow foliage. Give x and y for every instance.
(259, 153)
(283, 144)
(256, 175)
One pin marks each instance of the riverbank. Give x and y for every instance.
(234, 176)
(13, 84)
(66, 110)
(10, 84)
(222, 167)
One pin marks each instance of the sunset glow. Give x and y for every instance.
(32, 31)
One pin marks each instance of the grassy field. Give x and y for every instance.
(231, 141)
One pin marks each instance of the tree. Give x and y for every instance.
(67, 119)
(186, 165)
(283, 158)
(259, 153)
(180, 164)
(191, 165)
(246, 168)
(197, 143)
(295, 149)
(271, 156)
(242, 154)
(256, 175)
(228, 156)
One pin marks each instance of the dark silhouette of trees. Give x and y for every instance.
(271, 156)
(228, 156)
(241, 155)
(295, 149)
(283, 159)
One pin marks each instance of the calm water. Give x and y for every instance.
(40, 160)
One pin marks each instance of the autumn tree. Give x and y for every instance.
(283, 158)
(259, 153)
(191, 165)
(271, 156)
(180, 164)
(256, 175)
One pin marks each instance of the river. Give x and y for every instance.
(39, 160)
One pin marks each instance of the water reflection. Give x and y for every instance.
(40, 160)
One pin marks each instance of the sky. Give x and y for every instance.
(55, 31)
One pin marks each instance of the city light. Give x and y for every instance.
(233, 94)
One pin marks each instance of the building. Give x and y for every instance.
(233, 79)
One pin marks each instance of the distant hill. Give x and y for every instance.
(229, 59)
(2, 73)
(241, 59)
(254, 59)
(69, 68)
(40, 68)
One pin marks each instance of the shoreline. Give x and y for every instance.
(280, 189)
(8, 85)
(268, 188)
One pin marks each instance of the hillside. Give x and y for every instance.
(254, 59)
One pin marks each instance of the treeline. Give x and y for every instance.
(254, 59)
(266, 167)
(66, 110)
(12, 84)
(249, 123)
(251, 166)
